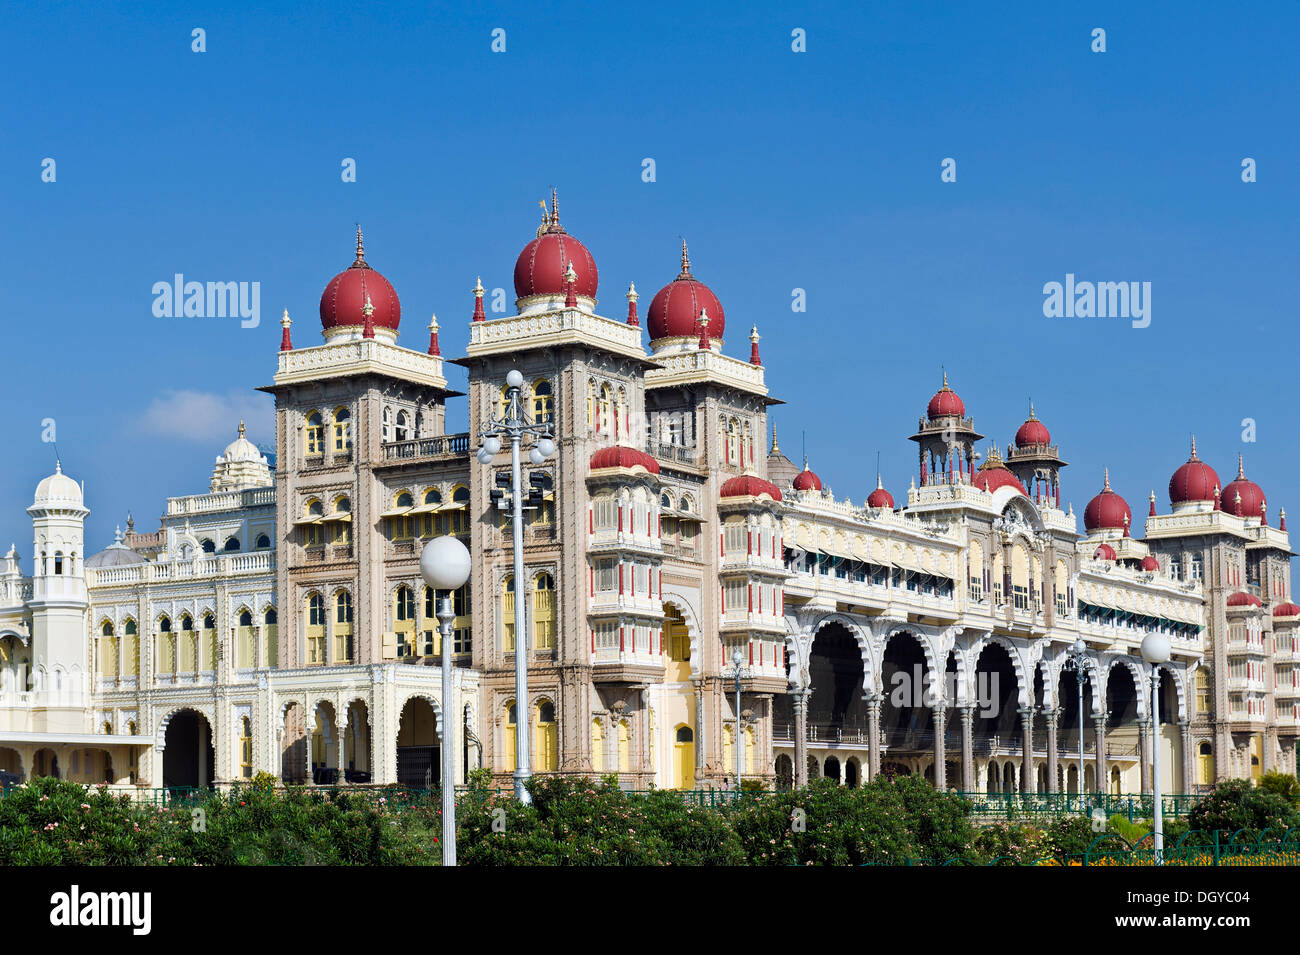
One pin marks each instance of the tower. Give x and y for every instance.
(1034, 460)
(947, 440)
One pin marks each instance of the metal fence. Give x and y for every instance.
(1028, 805)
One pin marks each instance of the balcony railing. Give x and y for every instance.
(441, 445)
(675, 453)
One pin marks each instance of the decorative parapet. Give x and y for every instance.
(233, 565)
(222, 501)
(359, 357)
(568, 326)
(706, 365)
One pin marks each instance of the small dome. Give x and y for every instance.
(241, 449)
(541, 265)
(115, 554)
(1243, 599)
(1103, 552)
(344, 300)
(1032, 432)
(993, 474)
(1193, 481)
(1149, 563)
(1107, 511)
(749, 485)
(880, 497)
(1287, 609)
(780, 468)
(945, 403)
(1243, 496)
(675, 309)
(621, 456)
(57, 489)
(807, 479)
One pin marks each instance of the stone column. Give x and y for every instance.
(801, 737)
(1028, 783)
(873, 736)
(968, 783)
(1099, 727)
(940, 757)
(699, 732)
(1270, 747)
(342, 722)
(1188, 757)
(1144, 755)
(1053, 759)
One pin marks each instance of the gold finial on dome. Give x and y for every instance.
(241, 427)
(1031, 410)
(1241, 467)
(360, 261)
(1106, 485)
(776, 448)
(632, 294)
(1193, 448)
(284, 319)
(433, 322)
(686, 262)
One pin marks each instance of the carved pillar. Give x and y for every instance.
(801, 737)
(873, 736)
(1053, 761)
(1027, 781)
(1188, 759)
(1099, 730)
(967, 746)
(342, 722)
(940, 758)
(1144, 755)
(699, 731)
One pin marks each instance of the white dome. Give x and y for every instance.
(57, 489)
(241, 449)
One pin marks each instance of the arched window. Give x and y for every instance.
(508, 614)
(246, 747)
(683, 758)
(131, 729)
(543, 401)
(386, 417)
(166, 646)
(270, 641)
(544, 612)
(403, 430)
(597, 746)
(107, 651)
(130, 649)
(461, 632)
(244, 645)
(342, 430)
(58, 562)
(315, 629)
(545, 748)
(624, 746)
(545, 513)
(209, 545)
(342, 519)
(459, 521)
(402, 526)
(343, 647)
(606, 411)
(1202, 691)
(314, 435)
(232, 544)
(107, 728)
(503, 402)
(508, 737)
(263, 542)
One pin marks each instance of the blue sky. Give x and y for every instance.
(816, 170)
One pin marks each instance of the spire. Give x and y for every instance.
(753, 347)
(570, 283)
(360, 261)
(433, 335)
(880, 486)
(368, 310)
(286, 343)
(1106, 485)
(117, 535)
(130, 523)
(1216, 492)
(1193, 457)
(632, 296)
(686, 263)
(1263, 513)
(555, 207)
(1126, 525)
(1282, 521)
(478, 300)
(945, 380)
(1031, 410)
(704, 329)
(1152, 512)
(241, 427)
(776, 448)
(1241, 467)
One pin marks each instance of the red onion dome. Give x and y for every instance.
(1194, 481)
(541, 266)
(1103, 552)
(621, 456)
(749, 485)
(807, 480)
(1243, 599)
(945, 403)
(1287, 609)
(1243, 496)
(993, 474)
(880, 497)
(675, 309)
(344, 300)
(1107, 510)
(1032, 432)
(1150, 563)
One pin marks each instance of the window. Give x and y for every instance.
(386, 418)
(1202, 691)
(606, 576)
(1175, 568)
(544, 612)
(107, 651)
(606, 635)
(315, 434)
(209, 546)
(597, 746)
(269, 633)
(131, 650)
(166, 646)
(402, 526)
(508, 614)
(244, 641)
(432, 522)
(343, 648)
(735, 596)
(311, 532)
(58, 562)
(605, 510)
(403, 430)
(461, 633)
(315, 629)
(736, 537)
(458, 520)
(187, 650)
(624, 747)
(545, 749)
(404, 620)
(1196, 568)
(208, 643)
(508, 737)
(232, 544)
(342, 430)
(246, 747)
(263, 542)
(543, 401)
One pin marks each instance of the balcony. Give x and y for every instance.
(423, 449)
(675, 454)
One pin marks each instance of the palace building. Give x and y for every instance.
(279, 622)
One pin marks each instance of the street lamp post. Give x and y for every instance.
(738, 658)
(1155, 651)
(444, 565)
(1078, 657)
(513, 426)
